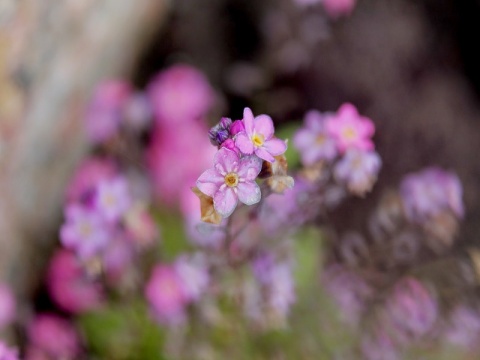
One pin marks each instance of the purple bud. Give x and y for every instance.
(225, 123)
(237, 127)
(220, 132)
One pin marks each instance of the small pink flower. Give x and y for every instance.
(237, 127)
(338, 8)
(230, 144)
(84, 231)
(350, 129)
(140, 225)
(7, 306)
(54, 336)
(231, 179)
(112, 199)
(7, 353)
(258, 137)
(165, 294)
(69, 286)
(194, 276)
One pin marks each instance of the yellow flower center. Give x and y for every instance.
(231, 179)
(258, 139)
(349, 133)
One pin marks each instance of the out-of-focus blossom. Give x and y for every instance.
(350, 129)
(464, 327)
(258, 137)
(350, 292)
(84, 231)
(354, 248)
(282, 289)
(140, 225)
(338, 8)
(175, 158)
(411, 308)
(89, 173)
(194, 276)
(105, 112)
(358, 170)
(379, 346)
(7, 353)
(137, 112)
(112, 199)
(231, 179)
(166, 295)
(431, 191)
(179, 94)
(69, 285)
(54, 336)
(8, 306)
(313, 141)
(117, 257)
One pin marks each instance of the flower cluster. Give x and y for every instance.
(243, 146)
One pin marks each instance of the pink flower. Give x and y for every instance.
(350, 129)
(338, 8)
(7, 353)
(180, 94)
(194, 276)
(140, 225)
(7, 306)
(84, 231)
(166, 295)
(258, 137)
(54, 336)
(87, 175)
(313, 141)
(105, 112)
(69, 286)
(112, 199)
(231, 179)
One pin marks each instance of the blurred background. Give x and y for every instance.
(409, 66)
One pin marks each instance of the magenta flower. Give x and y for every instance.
(258, 137)
(84, 231)
(338, 8)
(166, 296)
(7, 306)
(7, 353)
(350, 129)
(231, 179)
(313, 141)
(113, 199)
(69, 286)
(54, 336)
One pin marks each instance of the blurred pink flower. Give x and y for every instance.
(379, 346)
(105, 111)
(140, 225)
(464, 327)
(194, 276)
(117, 258)
(176, 156)
(137, 112)
(7, 353)
(313, 141)
(112, 198)
(180, 94)
(54, 336)
(8, 306)
(166, 295)
(231, 179)
(69, 286)
(338, 8)
(84, 231)
(258, 137)
(350, 129)
(87, 175)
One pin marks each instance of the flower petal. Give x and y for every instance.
(264, 125)
(225, 201)
(225, 161)
(209, 182)
(244, 144)
(304, 139)
(248, 121)
(275, 146)
(249, 193)
(250, 167)
(262, 153)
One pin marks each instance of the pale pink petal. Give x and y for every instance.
(347, 109)
(244, 144)
(262, 153)
(275, 146)
(248, 121)
(264, 126)
(249, 193)
(225, 201)
(209, 182)
(225, 161)
(249, 168)
(304, 139)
